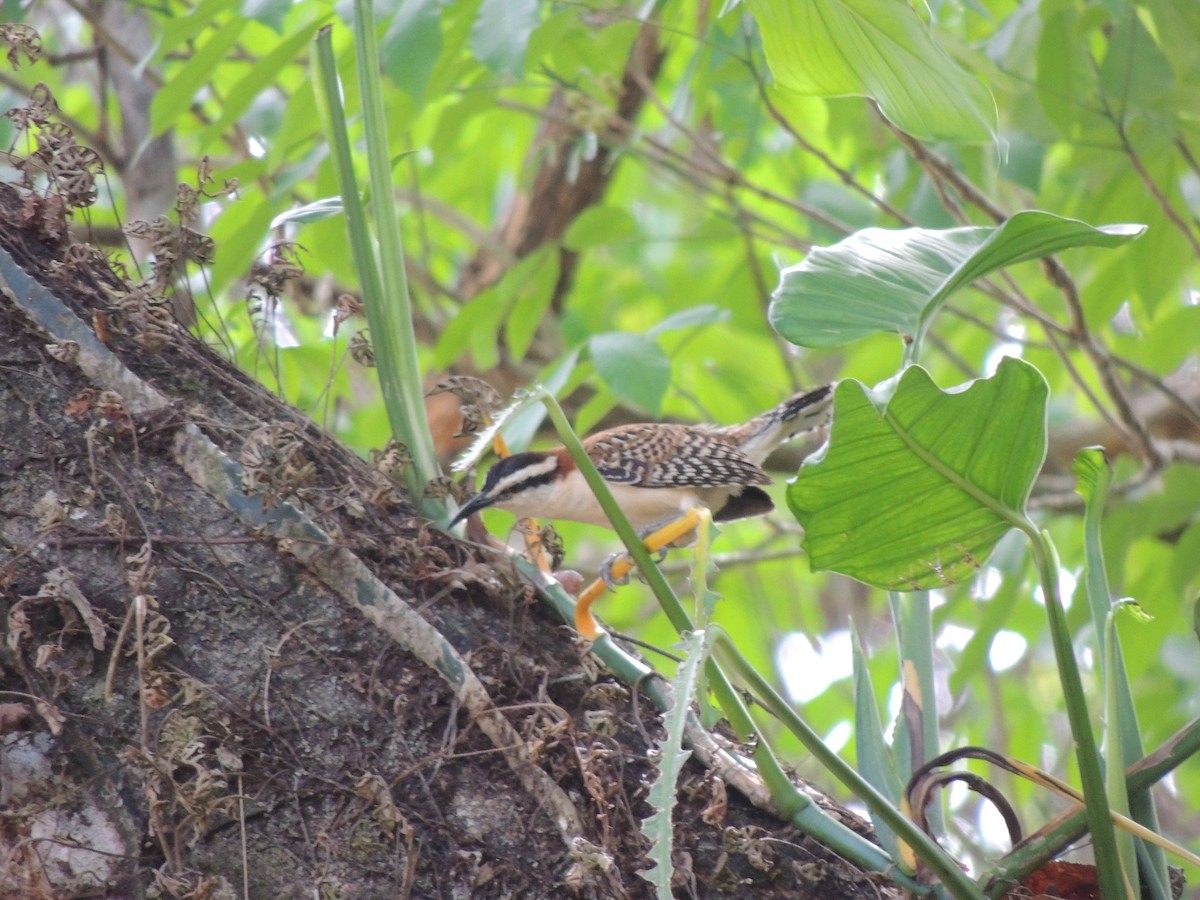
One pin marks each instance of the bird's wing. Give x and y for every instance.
(666, 456)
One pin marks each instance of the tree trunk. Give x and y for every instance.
(237, 665)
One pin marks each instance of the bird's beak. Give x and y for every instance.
(476, 503)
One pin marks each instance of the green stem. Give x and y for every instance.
(384, 286)
(395, 340)
(1104, 844)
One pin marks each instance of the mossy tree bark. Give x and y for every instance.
(224, 676)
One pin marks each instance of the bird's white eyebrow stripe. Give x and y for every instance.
(524, 476)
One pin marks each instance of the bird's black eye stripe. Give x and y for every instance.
(526, 484)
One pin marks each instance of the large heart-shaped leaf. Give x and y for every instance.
(878, 49)
(917, 485)
(895, 280)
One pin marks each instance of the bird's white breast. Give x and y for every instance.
(571, 499)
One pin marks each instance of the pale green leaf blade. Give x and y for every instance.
(264, 73)
(1134, 70)
(1122, 733)
(878, 49)
(177, 94)
(599, 225)
(691, 317)
(876, 762)
(520, 431)
(895, 280)
(633, 366)
(178, 29)
(270, 12)
(501, 33)
(875, 280)
(325, 208)
(412, 44)
(914, 490)
(533, 298)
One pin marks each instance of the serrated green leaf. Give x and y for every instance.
(633, 366)
(672, 755)
(501, 33)
(914, 489)
(878, 49)
(896, 280)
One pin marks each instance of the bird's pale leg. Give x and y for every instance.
(535, 550)
(616, 571)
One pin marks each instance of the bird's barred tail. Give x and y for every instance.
(810, 409)
(802, 412)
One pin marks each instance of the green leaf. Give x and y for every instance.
(633, 366)
(915, 739)
(1122, 733)
(412, 44)
(501, 33)
(533, 293)
(389, 312)
(325, 208)
(914, 489)
(270, 12)
(895, 280)
(259, 80)
(1185, 561)
(476, 325)
(875, 760)
(520, 430)
(177, 29)
(878, 49)
(1134, 70)
(598, 225)
(180, 90)
(1114, 775)
(1066, 82)
(238, 235)
(1092, 468)
(692, 317)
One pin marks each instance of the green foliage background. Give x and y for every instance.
(723, 178)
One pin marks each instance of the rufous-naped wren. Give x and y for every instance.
(655, 471)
